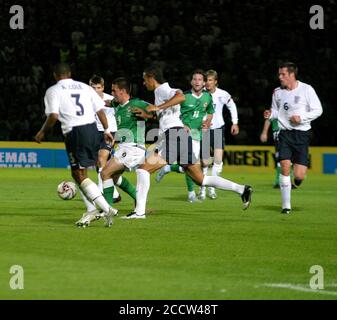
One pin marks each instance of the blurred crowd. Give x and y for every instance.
(243, 41)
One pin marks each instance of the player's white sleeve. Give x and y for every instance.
(96, 100)
(173, 92)
(315, 106)
(274, 108)
(52, 102)
(231, 106)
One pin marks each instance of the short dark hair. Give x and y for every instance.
(155, 72)
(291, 67)
(62, 69)
(199, 71)
(123, 83)
(95, 79)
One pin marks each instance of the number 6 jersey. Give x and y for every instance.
(301, 101)
(76, 103)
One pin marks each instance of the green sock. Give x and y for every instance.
(108, 194)
(189, 183)
(128, 187)
(277, 177)
(175, 168)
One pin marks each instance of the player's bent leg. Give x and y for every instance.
(300, 172)
(152, 163)
(216, 170)
(89, 205)
(103, 156)
(125, 185)
(202, 191)
(91, 191)
(162, 172)
(192, 198)
(112, 167)
(244, 191)
(218, 156)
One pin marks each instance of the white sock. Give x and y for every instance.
(285, 186)
(108, 183)
(216, 169)
(167, 168)
(119, 181)
(143, 186)
(205, 172)
(181, 170)
(90, 189)
(99, 179)
(224, 184)
(90, 206)
(116, 193)
(191, 194)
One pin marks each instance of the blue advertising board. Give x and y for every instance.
(33, 158)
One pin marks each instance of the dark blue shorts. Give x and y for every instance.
(82, 145)
(177, 147)
(103, 144)
(293, 145)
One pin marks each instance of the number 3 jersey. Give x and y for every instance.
(301, 101)
(194, 109)
(76, 103)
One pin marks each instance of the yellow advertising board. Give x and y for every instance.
(256, 159)
(262, 159)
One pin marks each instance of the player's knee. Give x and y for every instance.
(105, 174)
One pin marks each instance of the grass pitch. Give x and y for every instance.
(210, 250)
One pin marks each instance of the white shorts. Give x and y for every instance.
(130, 156)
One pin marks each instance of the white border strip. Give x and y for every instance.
(297, 288)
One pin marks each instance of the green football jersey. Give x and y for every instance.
(131, 129)
(193, 111)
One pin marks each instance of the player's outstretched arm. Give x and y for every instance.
(178, 98)
(142, 113)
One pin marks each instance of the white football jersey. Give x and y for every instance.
(301, 101)
(110, 115)
(223, 98)
(76, 103)
(169, 117)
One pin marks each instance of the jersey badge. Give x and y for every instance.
(297, 99)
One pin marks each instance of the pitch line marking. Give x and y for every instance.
(297, 288)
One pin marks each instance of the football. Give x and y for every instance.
(66, 190)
